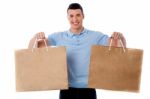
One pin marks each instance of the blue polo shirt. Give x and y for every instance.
(78, 47)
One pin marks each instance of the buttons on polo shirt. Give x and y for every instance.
(78, 42)
(76, 37)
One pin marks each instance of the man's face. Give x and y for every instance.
(75, 18)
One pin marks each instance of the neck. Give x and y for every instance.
(77, 31)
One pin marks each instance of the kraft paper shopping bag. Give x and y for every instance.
(115, 68)
(41, 69)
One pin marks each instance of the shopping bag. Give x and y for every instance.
(115, 68)
(40, 69)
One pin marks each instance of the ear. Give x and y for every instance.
(83, 15)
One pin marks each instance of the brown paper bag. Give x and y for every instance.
(115, 69)
(41, 69)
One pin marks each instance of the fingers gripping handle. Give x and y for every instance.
(111, 40)
(36, 44)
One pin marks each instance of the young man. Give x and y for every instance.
(78, 41)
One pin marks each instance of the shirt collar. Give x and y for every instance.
(73, 34)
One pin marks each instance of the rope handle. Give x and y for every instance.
(36, 44)
(111, 40)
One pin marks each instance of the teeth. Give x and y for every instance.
(75, 23)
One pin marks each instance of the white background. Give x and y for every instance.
(21, 19)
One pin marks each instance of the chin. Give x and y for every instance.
(75, 27)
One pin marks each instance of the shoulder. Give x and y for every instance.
(95, 33)
(55, 37)
(98, 36)
(57, 34)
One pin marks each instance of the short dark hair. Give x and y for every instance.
(75, 6)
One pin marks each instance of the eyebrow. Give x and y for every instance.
(76, 14)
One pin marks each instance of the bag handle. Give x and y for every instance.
(36, 43)
(111, 40)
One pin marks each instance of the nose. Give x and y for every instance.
(75, 18)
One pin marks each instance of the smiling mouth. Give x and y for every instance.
(75, 23)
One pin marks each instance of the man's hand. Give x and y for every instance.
(39, 38)
(116, 37)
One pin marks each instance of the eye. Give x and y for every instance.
(78, 15)
(71, 16)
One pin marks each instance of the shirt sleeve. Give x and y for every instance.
(103, 40)
(52, 40)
